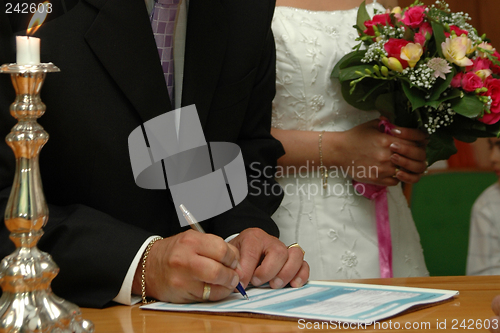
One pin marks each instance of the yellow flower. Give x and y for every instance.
(485, 46)
(470, 46)
(384, 70)
(411, 53)
(393, 64)
(396, 10)
(455, 50)
(484, 73)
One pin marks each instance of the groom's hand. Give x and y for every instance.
(178, 268)
(264, 258)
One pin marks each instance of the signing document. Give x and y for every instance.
(318, 300)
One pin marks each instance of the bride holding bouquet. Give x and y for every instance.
(425, 70)
(321, 132)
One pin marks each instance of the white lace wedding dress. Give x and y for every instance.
(336, 228)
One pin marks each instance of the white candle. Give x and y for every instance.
(28, 50)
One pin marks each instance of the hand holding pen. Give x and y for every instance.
(177, 268)
(196, 226)
(191, 266)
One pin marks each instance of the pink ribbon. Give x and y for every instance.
(378, 193)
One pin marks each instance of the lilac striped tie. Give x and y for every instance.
(163, 24)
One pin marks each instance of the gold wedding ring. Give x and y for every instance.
(395, 173)
(296, 245)
(206, 292)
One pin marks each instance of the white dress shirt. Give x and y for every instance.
(125, 295)
(484, 237)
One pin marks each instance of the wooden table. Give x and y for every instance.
(468, 311)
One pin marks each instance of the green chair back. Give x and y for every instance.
(441, 205)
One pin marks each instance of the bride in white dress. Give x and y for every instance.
(335, 226)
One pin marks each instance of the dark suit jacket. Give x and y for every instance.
(110, 82)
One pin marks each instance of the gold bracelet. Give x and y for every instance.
(322, 168)
(143, 276)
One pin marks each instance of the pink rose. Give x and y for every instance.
(456, 82)
(493, 86)
(414, 16)
(457, 30)
(478, 64)
(493, 67)
(425, 29)
(380, 19)
(393, 48)
(490, 118)
(419, 38)
(471, 82)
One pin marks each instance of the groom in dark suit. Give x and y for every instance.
(111, 81)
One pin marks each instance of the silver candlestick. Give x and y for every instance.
(27, 303)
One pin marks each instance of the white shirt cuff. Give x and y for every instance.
(125, 295)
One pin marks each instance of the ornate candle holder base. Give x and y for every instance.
(27, 303)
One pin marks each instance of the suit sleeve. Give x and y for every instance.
(75, 233)
(260, 152)
(74, 237)
(98, 217)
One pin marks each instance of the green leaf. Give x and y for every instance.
(408, 119)
(374, 88)
(349, 73)
(395, 106)
(468, 106)
(466, 138)
(463, 126)
(362, 16)
(450, 94)
(414, 95)
(441, 146)
(441, 85)
(486, 130)
(439, 37)
(365, 94)
(409, 34)
(350, 59)
(385, 104)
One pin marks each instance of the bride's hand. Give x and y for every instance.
(371, 156)
(410, 157)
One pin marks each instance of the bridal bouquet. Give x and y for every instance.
(425, 67)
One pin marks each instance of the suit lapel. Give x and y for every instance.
(206, 42)
(129, 54)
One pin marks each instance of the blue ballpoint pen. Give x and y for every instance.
(196, 226)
